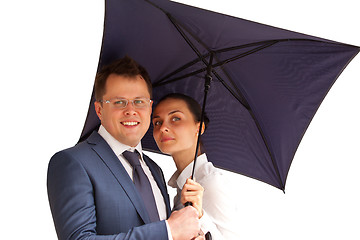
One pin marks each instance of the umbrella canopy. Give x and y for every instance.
(267, 83)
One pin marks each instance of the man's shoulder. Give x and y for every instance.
(80, 148)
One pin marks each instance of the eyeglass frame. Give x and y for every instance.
(147, 101)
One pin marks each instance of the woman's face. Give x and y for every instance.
(175, 129)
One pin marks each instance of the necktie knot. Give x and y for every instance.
(132, 157)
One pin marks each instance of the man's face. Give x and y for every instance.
(127, 125)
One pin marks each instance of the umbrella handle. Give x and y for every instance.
(188, 204)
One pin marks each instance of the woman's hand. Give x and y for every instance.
(193, 192)
(200, 236)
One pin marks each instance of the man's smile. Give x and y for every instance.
(130, 123)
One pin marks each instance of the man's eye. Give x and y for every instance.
(138, 101)
(119, 102)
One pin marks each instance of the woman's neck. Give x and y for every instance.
(184, 158)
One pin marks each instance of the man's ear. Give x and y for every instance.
(98, 109)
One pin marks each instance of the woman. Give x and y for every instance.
(176, 120)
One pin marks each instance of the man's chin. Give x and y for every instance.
(133, 140)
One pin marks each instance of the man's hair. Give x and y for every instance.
(126, 67)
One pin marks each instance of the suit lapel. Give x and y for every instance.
(109, 158)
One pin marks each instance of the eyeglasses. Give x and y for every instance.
(122, 102)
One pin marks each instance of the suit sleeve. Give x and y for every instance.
(72, 204)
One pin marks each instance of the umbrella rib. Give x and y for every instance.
(247, 106)
(182, 33)
(179, 78)
(188, 41)
(238, 94)
(218, 64)
(245, 103)
(177, 25)
(268, 44)
(185, 66)
(262, 43)
(239, 97)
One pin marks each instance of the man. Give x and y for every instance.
(90, 186)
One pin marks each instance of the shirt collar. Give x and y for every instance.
(117, 146)
(178, 179)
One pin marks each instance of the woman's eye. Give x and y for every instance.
(157, 123)
(174, 119)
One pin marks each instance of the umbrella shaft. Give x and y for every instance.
(208, 79)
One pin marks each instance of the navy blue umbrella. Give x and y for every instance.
(266, 83)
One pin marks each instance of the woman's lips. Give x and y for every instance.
(166, 139)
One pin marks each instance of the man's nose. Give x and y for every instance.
(130, 109)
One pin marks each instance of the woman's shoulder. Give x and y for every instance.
(208, 174)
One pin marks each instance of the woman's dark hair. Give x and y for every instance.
(192, 105)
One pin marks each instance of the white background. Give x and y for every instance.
(48, 56)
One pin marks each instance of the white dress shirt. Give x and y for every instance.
(219, 211)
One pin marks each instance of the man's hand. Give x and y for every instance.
(184, 224)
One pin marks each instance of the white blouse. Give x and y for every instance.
(219, 209)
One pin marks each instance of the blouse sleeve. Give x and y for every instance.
(220, 212)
